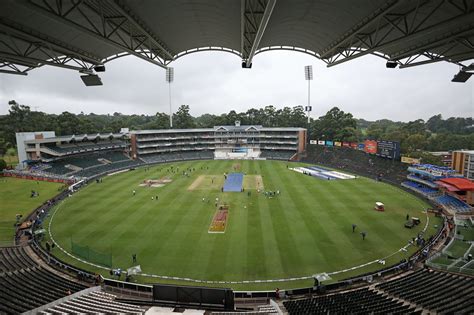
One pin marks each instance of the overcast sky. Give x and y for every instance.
(214, 82)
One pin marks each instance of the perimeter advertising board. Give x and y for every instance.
(313, 141)
(409, 160)
(370, 146)
(329, 143)
(388, 149)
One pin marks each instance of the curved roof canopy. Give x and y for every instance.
(81, 34)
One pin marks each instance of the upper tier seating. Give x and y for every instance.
(96, 302)
(86, 146)
(24, 285)
(427, 191)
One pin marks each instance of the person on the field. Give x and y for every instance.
(364, 234)
(408, 216)
(353, 228)
(134, 192)
(134, 258)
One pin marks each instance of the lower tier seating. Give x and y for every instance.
(96, 302)
(24, 285)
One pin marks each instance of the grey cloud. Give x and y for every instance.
(213, 82)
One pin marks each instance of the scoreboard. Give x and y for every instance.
(388, 149)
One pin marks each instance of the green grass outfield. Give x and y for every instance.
(15, 199)
(305, 230)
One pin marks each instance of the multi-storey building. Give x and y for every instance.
(463, 163)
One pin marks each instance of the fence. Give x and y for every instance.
(91, 255)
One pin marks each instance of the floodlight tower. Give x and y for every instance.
(169, 79)
(308, 74)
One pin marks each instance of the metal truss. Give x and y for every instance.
(23, 46)
(10, 68)
(391, 26)
(255, 17)
(109, 21)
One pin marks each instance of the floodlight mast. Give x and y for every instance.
(308, 73)
(169, 79)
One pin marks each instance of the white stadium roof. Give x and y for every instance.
(82, 34)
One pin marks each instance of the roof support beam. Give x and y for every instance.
(142, 28)
(36, 38)
(254, 22)
(465, 20)
(34, 62)
(127, 39)
(361, 27)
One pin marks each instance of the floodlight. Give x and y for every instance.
(308, 72)
(461, 77)
(169, 79)
(169, 74)
(91, 79)
(391, 64)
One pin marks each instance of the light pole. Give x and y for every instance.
(308, 74)
(169, 79)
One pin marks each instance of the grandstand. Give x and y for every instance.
(417, 292)
(226, 142)
(356, 161)
(20, 273)
(442, 186)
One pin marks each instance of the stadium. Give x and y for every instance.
(241, 217)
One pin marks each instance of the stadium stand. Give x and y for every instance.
(424, 290)
(277, 154)
(453, 203)
(357, 162)
(426, 191)
(438, 291)
(19, 273)
(361, 301)
(95, 302)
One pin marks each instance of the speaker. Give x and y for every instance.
(391, 64)
(99, 68)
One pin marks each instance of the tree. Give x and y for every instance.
(3, 164)
(182, 118)
(335, 125)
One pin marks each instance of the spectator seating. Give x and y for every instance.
(96, 302)
(426, 191)
(79, 147)
(277, 155)
(424, 291)
(24, 285)
(438, 291)
(177, 156)
(358, 162)
(361, 301)
(453, 203)
(104, 168)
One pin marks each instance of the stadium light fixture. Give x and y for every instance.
(308, 74)
(91, 80)
(169, 79)
(464, 74)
